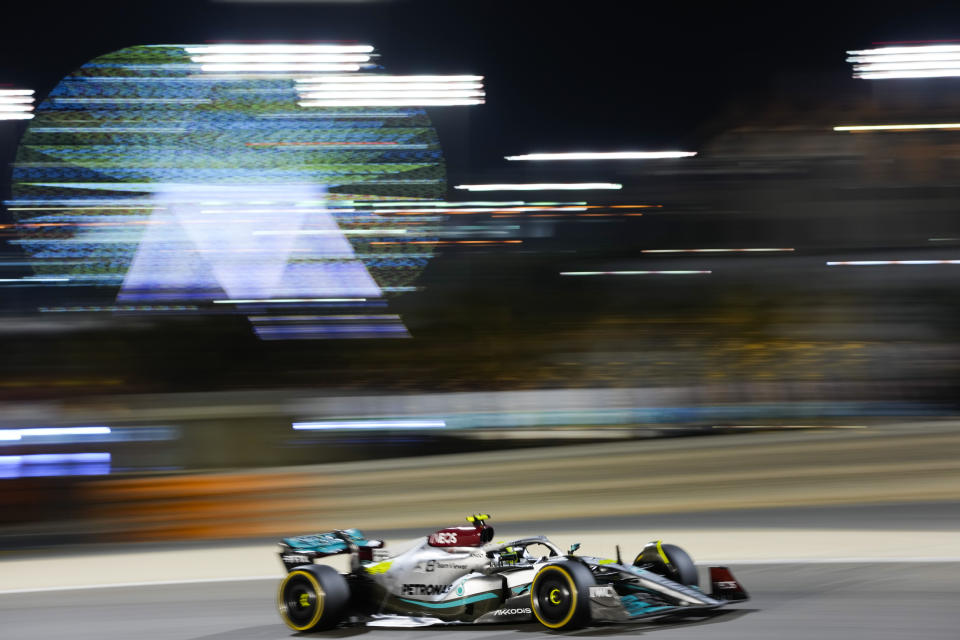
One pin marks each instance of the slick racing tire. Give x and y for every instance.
(313, 597)
(679, 566)
(560, 595)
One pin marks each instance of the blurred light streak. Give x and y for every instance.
(480, 210)
(58, 431)
(376, 90)
(278, 48)
(755, 250)
(541, 186)
(16, 104)
(333, 232)
(634, 273)
(875, 263)
(54, 464)
(385, 78)
(279, 57)
(897, 127)
(918, 61)
(605, 155)
(394, 102)
(369, 424)
(393, 95)
(382, 316)
(787, 426)
(288, 300)
(54, 458)
(452, 242)
(942, 239)
(94, 309)
(266, 66)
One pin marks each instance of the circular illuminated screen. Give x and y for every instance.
(190, 173)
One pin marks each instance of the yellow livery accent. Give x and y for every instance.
(380, 567)
(663, 556)
(573, 594)
(282, 605)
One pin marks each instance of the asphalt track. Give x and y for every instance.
(790, 601)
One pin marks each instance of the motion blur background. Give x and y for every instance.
(766, 318)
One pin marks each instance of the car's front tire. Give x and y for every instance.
(560, 595)
(670, 561)
(313, 597)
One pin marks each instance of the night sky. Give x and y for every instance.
(559, 76)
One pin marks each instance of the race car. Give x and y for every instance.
(458, 575)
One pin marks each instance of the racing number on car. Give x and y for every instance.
(430, 565)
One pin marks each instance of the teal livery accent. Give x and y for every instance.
(520, 589)
(635, 606)
(451, 603)
(326, 543)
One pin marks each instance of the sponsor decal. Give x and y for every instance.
(513, 612)
(451, 565)
(603, 591)
(444, 537)
(296, 559)
(727, 585)
(424, 589)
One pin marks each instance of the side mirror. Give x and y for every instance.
(573, 547)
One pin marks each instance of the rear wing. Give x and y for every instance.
(301, 550)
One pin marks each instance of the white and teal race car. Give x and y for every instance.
(458, 575)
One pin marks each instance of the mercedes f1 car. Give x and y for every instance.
(458, 575)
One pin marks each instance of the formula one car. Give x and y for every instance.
(458, 575)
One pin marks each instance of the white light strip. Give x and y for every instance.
(321, 89)
(278, 300)
(634, 273)
(897, 127)
(273, 58)
(16, 104)
(54, 458)
(546, 186)
(922, 61)
(369, 424)
(278, 48)
(931, 48)
(875, 263)
(308, 66)
(889, 75)
(905, 57)
(758, 249)
(372, 78)
(907, 66)
(333, 232)
(605, 155)
(413, 93)
(17, 434)
(393, 102)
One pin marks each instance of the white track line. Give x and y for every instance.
(733, 563)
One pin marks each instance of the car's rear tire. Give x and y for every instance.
(560, 595)
(313, 597)
(678, 566)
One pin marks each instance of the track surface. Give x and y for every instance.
(790, 601)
